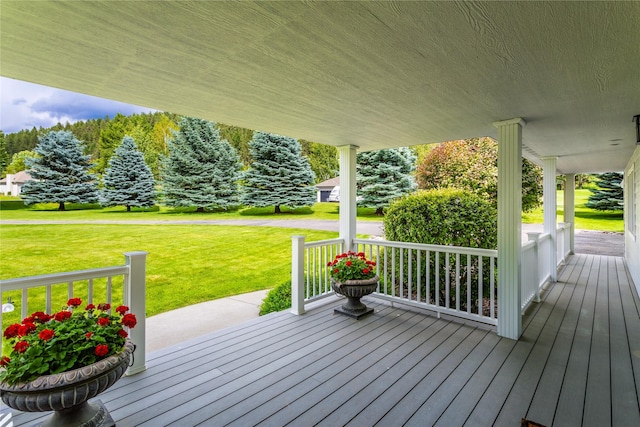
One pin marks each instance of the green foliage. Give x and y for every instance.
(18, 161)
(351, 266)
(279, 174)
(443, 217)
(448, 217)
(201, 169)
(60, 172)
(4, 156)
(324, 159)
(128, 181)
(609, 195)
(383, 176)
(277, 299)
(473, 165)
(23, 140)
(70, 339)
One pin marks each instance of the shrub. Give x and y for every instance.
(448, 217)
(278, 299)
(443, 217)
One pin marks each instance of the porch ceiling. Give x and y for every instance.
(372, 74)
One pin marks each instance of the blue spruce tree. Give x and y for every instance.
(384, 175)
(201, 169)
(61, 172)
(609, 196)
(279, 174)
(128, 180)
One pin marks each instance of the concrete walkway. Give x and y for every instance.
(169, 328)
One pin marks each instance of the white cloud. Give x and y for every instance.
(25, 105)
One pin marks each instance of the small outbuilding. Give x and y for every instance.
(325, 187)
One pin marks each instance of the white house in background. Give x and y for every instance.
(12, 184)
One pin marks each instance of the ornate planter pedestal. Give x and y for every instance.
(67, 393)
(354, 290)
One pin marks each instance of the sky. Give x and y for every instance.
(25, 105)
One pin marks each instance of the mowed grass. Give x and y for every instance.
(585, 218)
(186, 264)
(14, 209)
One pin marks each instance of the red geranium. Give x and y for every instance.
(122, 309)
(46, 334)
(129, 320)
(102, 350)
(44, 344)
(21, 346)
(74, 302)
(62, 315)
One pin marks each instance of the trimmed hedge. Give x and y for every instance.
(443, 217)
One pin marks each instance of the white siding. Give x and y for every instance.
(632, 216)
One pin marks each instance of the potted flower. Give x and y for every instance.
(60, 361)
(353, 276)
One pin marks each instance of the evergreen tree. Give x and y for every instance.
(128, 181)
(609, 194)
(61, 172)
(279, 174)
(4, 156)
(201, 169)
(384, 175)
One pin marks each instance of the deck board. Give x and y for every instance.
(577, 363)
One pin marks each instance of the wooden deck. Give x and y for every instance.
(577, 363)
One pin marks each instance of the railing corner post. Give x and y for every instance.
(135, 298)
(297, 275)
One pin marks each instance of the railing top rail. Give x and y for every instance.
(423, 246)
(528, 245)
(52, 279)
(317, 243)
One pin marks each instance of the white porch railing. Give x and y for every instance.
(448, 280)
(92, 282)
(444, 279)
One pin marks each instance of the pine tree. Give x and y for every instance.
(61, 172)
(609, 194)
(128, 181)
(384, 175)
(279, 174)
(201, 169)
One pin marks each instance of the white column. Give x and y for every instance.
(509, 226)
(348, 194)
(550, 207)
(570, 207)
(135, 298)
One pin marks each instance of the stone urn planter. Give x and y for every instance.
(354, 290)
(67, 393)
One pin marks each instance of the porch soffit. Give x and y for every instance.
(372, 74)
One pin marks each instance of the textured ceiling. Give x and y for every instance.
(372, 74)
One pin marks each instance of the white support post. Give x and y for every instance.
(509, 226)
(534, 236)
(135, 298)
(297, 275)
(550, 206)
(348, 208)
(570, 208)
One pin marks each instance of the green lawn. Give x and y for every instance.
(585, 218)
(14, 209)
(186, 264)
